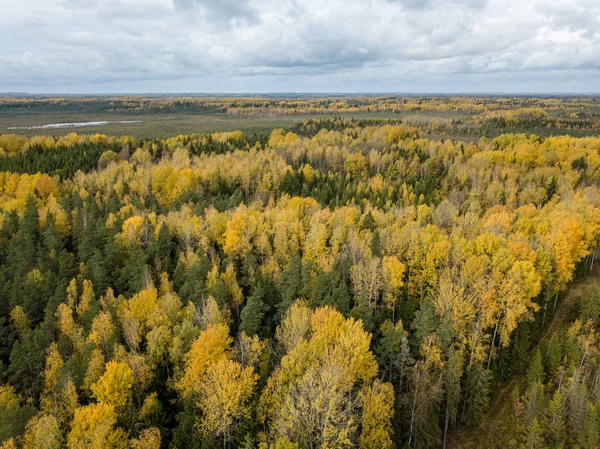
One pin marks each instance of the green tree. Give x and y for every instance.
(253, 312)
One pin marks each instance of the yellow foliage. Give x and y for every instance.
(148, 439)
(212, 345)
(356, 165)
(377, 403)
(114, 386)
(223, 396)
(92, 427)
(42, 432)
(19, 320)
(132, 230)
(328, 364)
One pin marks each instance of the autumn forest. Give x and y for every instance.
(320, 272)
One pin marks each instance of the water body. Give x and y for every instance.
(73, 124)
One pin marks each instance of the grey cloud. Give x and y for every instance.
(419, 5)
(299, 44)
(413, 4)
(221, 10)
(79, 4)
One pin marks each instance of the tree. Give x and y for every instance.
(452, 377)
(393, 352)
(555, 430)
(148, 439)
(217, 385)
(13, 415)
(291, 283)
(253, 312)
(19, 320)
(102, 331)
(378, 408)
(588, 438)
(476, 394)
(295, 325)
(95, 369)
(92, 428)
(356, 165)
(422, 401)
(114, 386)
(42, 432)
(367, 281)
(248, 350)
(533, 438)
(223, 397)
(535, 370)
(27, 360)
(393, 277)
(212, 345)
(66, 324)
(49, 401)
(311, 397)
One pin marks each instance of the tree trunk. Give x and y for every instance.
(492, 345)
(446, 424)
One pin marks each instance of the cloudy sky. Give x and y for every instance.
(300, 46)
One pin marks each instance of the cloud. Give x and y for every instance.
(219, 11)
(297, 45)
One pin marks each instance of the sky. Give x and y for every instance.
(270, 46)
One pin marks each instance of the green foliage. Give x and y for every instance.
(253, 312)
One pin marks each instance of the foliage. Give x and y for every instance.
(341, 283)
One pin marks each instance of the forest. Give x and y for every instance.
(376, 282)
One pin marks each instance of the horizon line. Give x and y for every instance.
(307, 93)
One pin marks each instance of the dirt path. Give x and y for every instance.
(496, 429)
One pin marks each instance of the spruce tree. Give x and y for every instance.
(291, 284)
(555, 420)
(535, 372)
(253, 312)
(476, 394)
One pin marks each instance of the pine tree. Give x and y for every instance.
(27, 238)
(589, 437)
(291, 284)
(476, 394)
(393, 353)
(253, 312)
(535, 371)
(452, 376)
(533, 438)
(555, 430)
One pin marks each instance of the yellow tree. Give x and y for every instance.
(42, 432)
(312, 398)
(148, 439)
(87, 296)
(223, 397)
(377, 402)
(94, 370)
(93, 428)
(212, 345)
(393, 280)
(295, 325)
(221, 386)
(49, 401)
(102, 331)
(231, 286)
(66, 324)
(114, 386)
(19, 320)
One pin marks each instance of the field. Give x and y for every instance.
(160, 126)
(458, 117)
